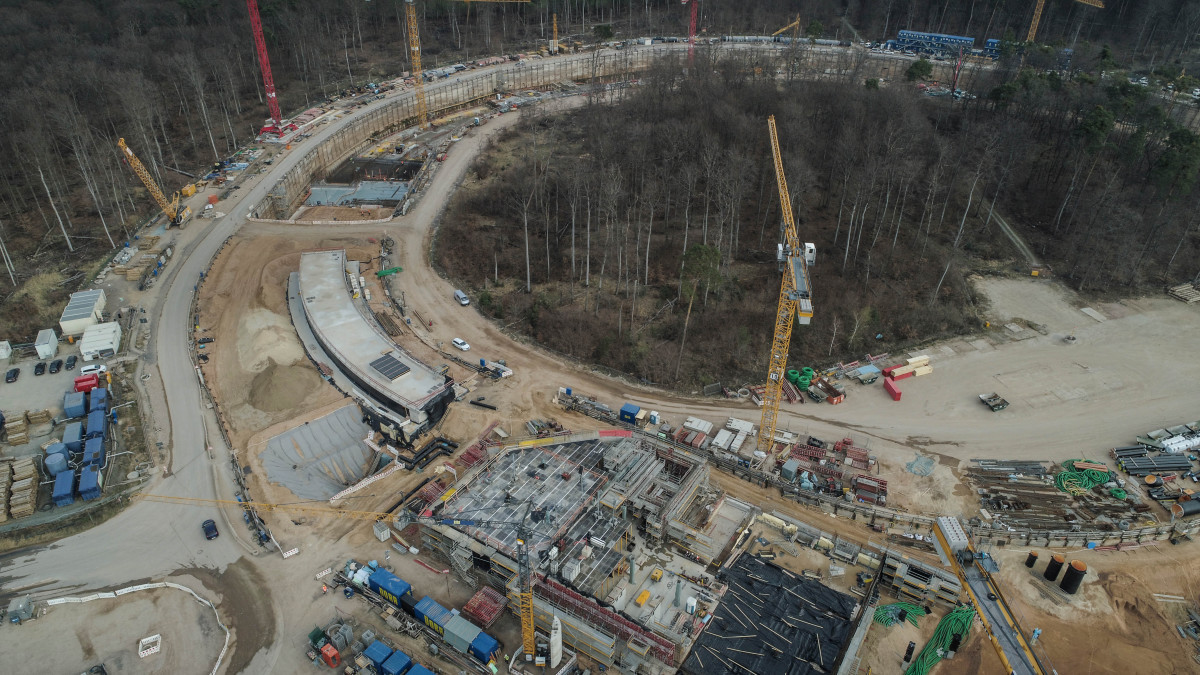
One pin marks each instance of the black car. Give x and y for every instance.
(205, 340)
(40, 368)
(210, 529)
(12, 375)
(71, 362)
(55, 366)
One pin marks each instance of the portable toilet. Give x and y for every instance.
(397, 664)
(91, 482)
(97, 424)
(64, 488)
(98, 399)
(377, 653)
(74, 404)
(73, 437)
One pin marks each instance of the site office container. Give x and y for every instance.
(460, 633)
(419, 669)
(64, 488)
(91, 481)
(377, 653)
(397, 664)
(389, 586)
(484, 647)
(432, 614)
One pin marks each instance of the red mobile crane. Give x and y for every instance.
(276, 127)
(692, 30)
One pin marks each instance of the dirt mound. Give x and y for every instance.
(282, 387)
(265, 337)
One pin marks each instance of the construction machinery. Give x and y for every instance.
(793, 26)
(177, 215)
(1037, 15)
(695, 7)
(554, 41)
(794, 299)
(276, 127)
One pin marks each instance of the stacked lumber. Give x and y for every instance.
(146, 243)
(37, 416)
(914, 367)
(1188, 293)
(22, 494)
(17, 431)
(5, 482)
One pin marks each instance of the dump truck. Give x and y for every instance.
(993, 401)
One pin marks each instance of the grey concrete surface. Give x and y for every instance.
(321, 457)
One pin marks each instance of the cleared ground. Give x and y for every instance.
(71, 638)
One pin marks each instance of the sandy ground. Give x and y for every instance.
(341, 213)
(71, 638)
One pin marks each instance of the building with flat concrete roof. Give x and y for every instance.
(351, 337)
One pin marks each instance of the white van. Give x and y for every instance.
(95, 368)
(462, 298)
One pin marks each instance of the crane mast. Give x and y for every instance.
(169, 207)
(692, 30)
(264, 63)
(414, 51)
(1037, 15)
(794, 299)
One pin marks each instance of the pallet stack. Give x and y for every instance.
(22, 494)
(37, 416)
(17, 431)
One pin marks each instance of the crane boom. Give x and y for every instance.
(170, 207)
(263, 506)
(794, 302)
(692, 30)
(264, 63)
(414, 52)
(795, 24)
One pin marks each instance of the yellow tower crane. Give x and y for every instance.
(793, 25)
(414, 50)
(1037, 15)
(554, 42)
(177, 215)
(794, 299)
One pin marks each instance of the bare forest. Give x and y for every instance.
(179, 80)
(641, 234)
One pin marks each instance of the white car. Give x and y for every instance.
(88, 370)
(461, 344)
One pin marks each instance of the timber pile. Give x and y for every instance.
(17, 431)
(5, 483)
(37, 416)
(22, 494)
(1188, 292)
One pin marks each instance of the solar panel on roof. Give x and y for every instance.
(389, 366)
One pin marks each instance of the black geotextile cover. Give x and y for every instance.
(772, 622)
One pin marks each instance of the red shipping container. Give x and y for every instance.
(887, 372)
(901, 377)
(87, 382)
(889, 385)
(698, 440)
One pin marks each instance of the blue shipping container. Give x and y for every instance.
(432, 614)
(90, 482)
(74, 404)
(93, 451)
(97, 424)
(419, 669)
(73, 436)
(389, 586)
(377, 653)
(64, 486)
(484, 647)
(98, 400)
(397, 664)
(629, 413)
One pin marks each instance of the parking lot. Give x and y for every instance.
(37, 392)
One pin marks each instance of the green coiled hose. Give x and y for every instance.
(957, 621)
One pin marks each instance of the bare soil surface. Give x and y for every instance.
(71, 638)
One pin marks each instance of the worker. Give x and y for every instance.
(324, 589)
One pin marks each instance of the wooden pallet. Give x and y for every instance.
(1185, 292)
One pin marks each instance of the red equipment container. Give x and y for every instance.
(87, 382)
(889, 385)
(329, 654)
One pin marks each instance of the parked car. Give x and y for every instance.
(205, 340)
(97, 368)
(12, 375)
(461, 344)
(210, 529)
(55, 366)
(462, 298)
(71, 362)
(40, 368)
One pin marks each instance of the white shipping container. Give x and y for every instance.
(740, 426)
(697, 424)
(723, 439)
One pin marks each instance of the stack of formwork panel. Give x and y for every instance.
(22, 495)
(37, 416)
(909, 369)
(17, 431)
